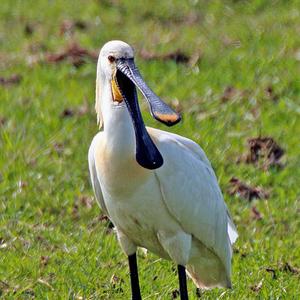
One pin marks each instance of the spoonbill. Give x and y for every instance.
(158, 188)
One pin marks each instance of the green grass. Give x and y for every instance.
(51, 244)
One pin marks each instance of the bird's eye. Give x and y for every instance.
(111, 58)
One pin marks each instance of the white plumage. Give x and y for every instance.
(176, 211)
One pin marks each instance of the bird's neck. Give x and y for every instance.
(118, 127)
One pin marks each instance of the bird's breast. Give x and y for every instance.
(118, 171)
(141, 214)
(133, 198)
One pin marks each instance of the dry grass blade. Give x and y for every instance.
(245, 191)
(13, 79)
(69, 26)
(287, 267)
(175, 294)
(257, 287)
(265, 150)
(177, 56)
(73, 53)
(229, 93)
(256, 215)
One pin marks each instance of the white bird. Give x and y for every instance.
(158, 188)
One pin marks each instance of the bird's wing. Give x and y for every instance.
(191, 192)
(93, 172)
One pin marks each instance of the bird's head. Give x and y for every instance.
(116, 64)
(116, 67)
(110, 54)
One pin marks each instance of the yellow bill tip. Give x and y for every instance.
(168, 118)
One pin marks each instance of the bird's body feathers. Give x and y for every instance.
(176, 211)
(158, 188)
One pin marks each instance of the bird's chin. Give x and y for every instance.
(116, 93)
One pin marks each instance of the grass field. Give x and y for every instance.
(54, 244)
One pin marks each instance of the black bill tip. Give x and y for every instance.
(147, 155)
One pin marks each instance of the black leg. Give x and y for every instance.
(134, 278)
(182, 283)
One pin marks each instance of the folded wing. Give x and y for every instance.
(93, 172)
(192, 194)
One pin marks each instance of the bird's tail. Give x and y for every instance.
(231, 229)
(206, 269)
